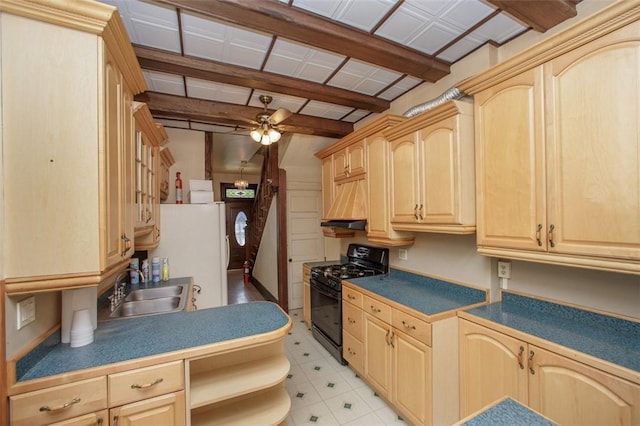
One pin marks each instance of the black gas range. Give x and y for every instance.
(326, 292)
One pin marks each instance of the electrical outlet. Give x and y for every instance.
(26, 311)
(403, 254)
(504, 269)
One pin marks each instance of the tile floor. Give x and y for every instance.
(324, 392)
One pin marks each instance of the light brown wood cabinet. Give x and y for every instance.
(66, 156)
(379, 229)
(567, 391)
(362, 156)
(151, 394)
(349, 162)
(72, 402)
(148, 138)
(432, 171)
(394, 352)
(240, 387)
(558, 153)
(306, 296)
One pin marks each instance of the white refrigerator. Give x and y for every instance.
(193, 237)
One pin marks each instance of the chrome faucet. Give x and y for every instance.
(119, 285)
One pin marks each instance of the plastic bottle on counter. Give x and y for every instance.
(155, 269)
(165, 269)
(134, 264)
(178, 188)
(145, 270)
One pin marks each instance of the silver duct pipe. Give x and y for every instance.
(452, 93)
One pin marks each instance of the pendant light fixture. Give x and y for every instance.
(241, 184)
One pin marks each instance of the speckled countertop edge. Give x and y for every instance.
(609, 338)
(427, 295)
(508, 413)
(126, 339)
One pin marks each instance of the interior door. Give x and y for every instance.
(305, 239)
(238, 216)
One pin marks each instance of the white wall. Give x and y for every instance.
(187, 148)
(266, 268)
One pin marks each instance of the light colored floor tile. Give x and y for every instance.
(302, 394)
(347, 407)
(324, 392)
(316, 414)
(331, 385)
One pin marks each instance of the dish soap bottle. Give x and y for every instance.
(178, 188)
(165, 269)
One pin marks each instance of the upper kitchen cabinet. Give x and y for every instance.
(558, 151)
(69, 75)
(432, 171)
(148, 138)
(379, 230)
(349, 162)
(355, 183)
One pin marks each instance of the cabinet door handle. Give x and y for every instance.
(351, 320)
(520, 358)
(147, 385)
(408, 326)
(538, 235)
(415, 212)
(115, 420)
(100, 421)
(386, 337)
(551, 228)
(376, 310)
(391, 339)
(351, 351)
(127, 244)
(351, 297)
(420, 211)
(531, 370)
(60, 407)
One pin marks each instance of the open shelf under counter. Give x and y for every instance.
(226, 382)
(266, 407)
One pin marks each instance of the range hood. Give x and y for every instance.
(349, 209)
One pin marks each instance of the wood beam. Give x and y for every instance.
(173, 63)
(274, 17)
(540, 15)
(180, 108)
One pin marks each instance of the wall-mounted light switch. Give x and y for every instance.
(26, 311)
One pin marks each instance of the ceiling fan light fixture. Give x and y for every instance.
(256, 135)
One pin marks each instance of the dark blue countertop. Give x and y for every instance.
(423, 294)
(126, 339)
(507, 413)
(609, 338)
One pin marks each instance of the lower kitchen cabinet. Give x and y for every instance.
(99, 418)
(162, 410)
(306, 299)
(69, 402)
(240, 387)
(567, 391)
(397, 355)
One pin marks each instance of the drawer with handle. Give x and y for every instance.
(54, 404)
(135, 385)
(352, 320)
(352, 296)
(418, 329)
(377, 309)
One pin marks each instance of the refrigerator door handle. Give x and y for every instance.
(228, 251)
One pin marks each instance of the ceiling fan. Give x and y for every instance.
(267, 132)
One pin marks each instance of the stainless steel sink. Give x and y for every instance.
(151, 301)
(156, 293)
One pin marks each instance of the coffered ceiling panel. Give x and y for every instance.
(330, 62)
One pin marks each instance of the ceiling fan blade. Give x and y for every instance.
(280, 115)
